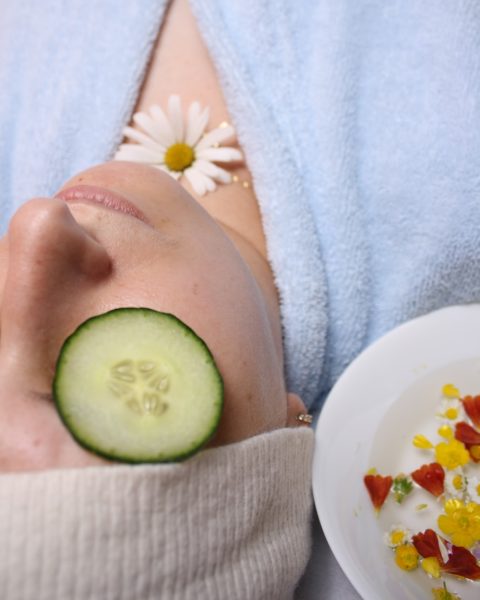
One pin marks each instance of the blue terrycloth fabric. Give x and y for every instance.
(360, 123)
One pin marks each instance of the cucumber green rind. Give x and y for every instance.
(116, 454)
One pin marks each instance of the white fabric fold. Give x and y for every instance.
(232, 522)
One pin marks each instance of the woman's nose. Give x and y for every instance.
(52, 261)
(44, 235)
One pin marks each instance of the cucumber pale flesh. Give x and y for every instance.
(138, 385)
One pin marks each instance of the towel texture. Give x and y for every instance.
(223, 524)
(359, 121)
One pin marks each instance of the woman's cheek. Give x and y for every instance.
(33, 438)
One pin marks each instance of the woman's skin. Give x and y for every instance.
(66, 259)
(201, 258)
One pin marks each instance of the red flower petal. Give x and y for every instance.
(467, 434)
(470, 437)
(430, 477)
(378, 488)
(427, 545)
(471, 404)
(462, 563)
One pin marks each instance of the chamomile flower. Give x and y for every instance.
(397, 535)
(451, 411)
(455, 483)
(181, 147)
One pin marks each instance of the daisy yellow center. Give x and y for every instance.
(397, 536)
(458, 482)
(179, 156)
(451, 413)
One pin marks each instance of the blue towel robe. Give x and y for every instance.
(360, 121)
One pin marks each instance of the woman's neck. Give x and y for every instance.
(180, 63)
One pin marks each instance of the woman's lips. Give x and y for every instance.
(98, 195)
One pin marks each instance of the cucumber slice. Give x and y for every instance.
(137, 385)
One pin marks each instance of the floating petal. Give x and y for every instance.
(431, 477)
(378, 488)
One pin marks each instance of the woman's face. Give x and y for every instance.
(64, 260)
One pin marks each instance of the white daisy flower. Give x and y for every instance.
(397, 535)
(473, 489)
(181, 147)
(451, 411)
(455, 483)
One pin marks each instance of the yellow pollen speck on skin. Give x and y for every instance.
(420, 441)
(421, 506)
(450, 391)
(179, 156)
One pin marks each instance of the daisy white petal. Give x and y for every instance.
(216, 136)
(196, 181)
(212, 170)
(473, 488)
(200, 182)
(451, 410)
(175, 116)
(192, 118)
(397, 535)
(167, 136)
(196, 127)
(455, 483)
(141, 138)
(151, 127)
(211, 187)
(137, 153)
(220, 154)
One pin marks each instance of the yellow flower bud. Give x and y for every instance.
(446, 432)
(406, 557)
(420, 441)
(450, 391)
(431, 566)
